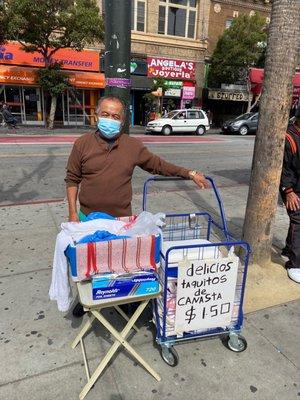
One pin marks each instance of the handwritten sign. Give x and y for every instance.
(205, 293)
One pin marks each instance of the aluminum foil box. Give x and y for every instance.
(113, 285)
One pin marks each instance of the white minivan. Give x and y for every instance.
(177, 121)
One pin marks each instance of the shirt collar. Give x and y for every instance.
(105, 142)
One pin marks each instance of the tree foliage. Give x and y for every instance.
(240, 47)
(160, 83)
(46, 26)
(3, 24)
(53, 80)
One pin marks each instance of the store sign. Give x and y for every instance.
(173, 93)
(17, 76)
(188, 93)
(171, 84)
(174, 84)
(87, 80)
(229, 96)
(205, 294)
(170, 69)
(85, 60)
(28, 76)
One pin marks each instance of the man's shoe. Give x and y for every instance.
(78, 311)
(294, 274)
(285, 255)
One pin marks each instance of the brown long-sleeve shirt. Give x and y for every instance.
(104, 172)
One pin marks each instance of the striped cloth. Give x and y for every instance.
(115, 256)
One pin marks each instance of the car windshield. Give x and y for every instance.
(244, 116)
(171, 114)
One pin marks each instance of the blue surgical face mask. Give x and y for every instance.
(108, 127)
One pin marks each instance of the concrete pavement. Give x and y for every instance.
(39, 364)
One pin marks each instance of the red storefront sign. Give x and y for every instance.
(28, 76)
(170, 69)
(85, 60)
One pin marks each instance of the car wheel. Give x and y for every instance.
(166, 130)
(243, 130)
(200, 130)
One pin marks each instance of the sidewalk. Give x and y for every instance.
(70, 130)
(39, 364)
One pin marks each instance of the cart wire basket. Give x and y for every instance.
(193, 238)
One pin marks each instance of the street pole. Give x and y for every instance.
(117, 51)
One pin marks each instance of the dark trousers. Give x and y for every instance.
(292, 245)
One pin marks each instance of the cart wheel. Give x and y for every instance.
(236, 343)
(169, 355)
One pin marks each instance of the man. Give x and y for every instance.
(102, 163)
(290, 191)
(8, 117)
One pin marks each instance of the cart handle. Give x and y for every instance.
(177, 178)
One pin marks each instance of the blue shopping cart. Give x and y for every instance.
(199, 242)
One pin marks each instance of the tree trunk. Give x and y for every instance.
(52, 112)
(274, 112)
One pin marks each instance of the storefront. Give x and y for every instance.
(179, 76)
(19, 85)
(226, 103)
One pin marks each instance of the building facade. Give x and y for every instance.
(167, 33)
(172, 39)
(229, 100)
(20, 90)
(223, 12)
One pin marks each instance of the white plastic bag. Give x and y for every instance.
(145, 224)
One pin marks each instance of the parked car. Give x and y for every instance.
(244, 124)
(183, 121)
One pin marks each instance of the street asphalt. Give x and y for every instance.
(37, 360)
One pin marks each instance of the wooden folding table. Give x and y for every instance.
(93, 308)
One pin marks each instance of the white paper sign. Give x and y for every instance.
(205, 293)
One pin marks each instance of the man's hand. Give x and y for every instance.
(73, 217)
(199, 179)
(292, 202)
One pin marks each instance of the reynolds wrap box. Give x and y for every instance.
(106, 286)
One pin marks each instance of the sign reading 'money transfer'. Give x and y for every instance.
(170, 69)
(205, 293)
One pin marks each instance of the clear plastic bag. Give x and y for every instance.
(145, 224)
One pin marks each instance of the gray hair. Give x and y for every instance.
(111, 98)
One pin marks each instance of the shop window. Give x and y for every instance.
(177, 18)
(2, 99)
(138, 15)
